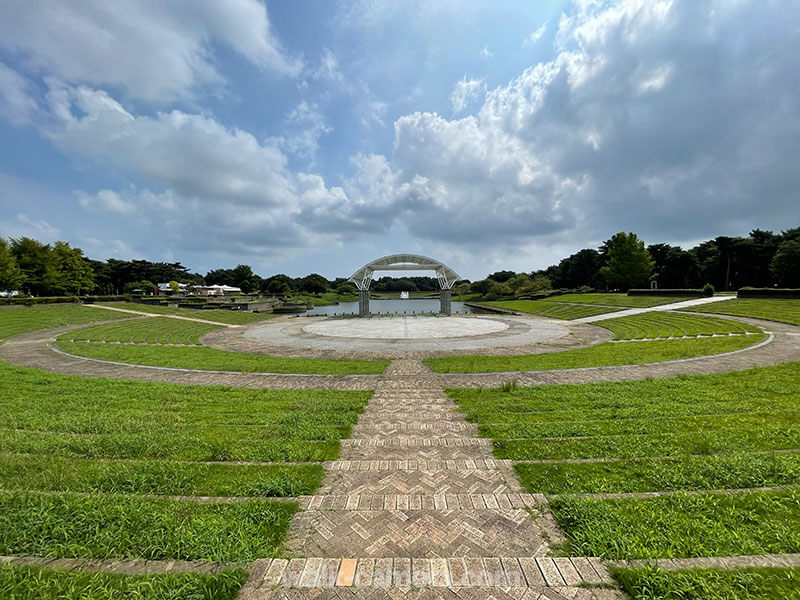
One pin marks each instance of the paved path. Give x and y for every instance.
(433, 515)
(637, 311)
(35, 350)
(169, 316)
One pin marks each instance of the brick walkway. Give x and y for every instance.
(417, 500)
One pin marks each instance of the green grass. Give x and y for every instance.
(608, 354)
(667, 324)
(550, 309)
(684, 525)
(621, 300)
(46, 413)
(145, 330)
(326, 299)
(49, 473)
(65, 526)
(784, 310)
(16, 320)
(648, 475)
(31, 583)
(710, 584)
(218, 315)
(212, 359)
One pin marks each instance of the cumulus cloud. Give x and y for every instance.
(464, 92)
(154, 50)
(676, 120)
(105, 201)
(306, 126)
(535, 36)
(16, 103)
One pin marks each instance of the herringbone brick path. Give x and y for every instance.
(418, 498)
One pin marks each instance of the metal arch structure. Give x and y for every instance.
(404, 262)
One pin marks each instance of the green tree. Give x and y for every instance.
(70, 273)
(35, 261)
(314, 284)
(10, 274)
(629, 263)
(244, 278)
(785, 265)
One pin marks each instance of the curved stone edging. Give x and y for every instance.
(35, 350)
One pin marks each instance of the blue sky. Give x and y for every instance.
(318, 135)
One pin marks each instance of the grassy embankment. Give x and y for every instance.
(784, 310)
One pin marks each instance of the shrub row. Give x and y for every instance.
(666, 292)
(750, 292)
(61, 300)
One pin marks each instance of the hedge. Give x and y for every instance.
(666, 292)
(750, 292)
(23, 301)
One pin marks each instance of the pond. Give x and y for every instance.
(390, 307)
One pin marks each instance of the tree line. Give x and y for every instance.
(761, 259)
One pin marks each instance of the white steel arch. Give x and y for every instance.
(405, 262)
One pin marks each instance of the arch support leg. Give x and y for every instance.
(363, 303)
(445, 297)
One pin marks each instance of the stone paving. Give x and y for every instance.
(439, 516)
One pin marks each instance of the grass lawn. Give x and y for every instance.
(32, 583)
(212, 359)
(667, 324)
(145, 330)
(16, 320)
(326, 299)
(621, 300)
(680, 526)
(122, 526)
(710, 584)
(608, 354)
(785, 310)
(700, 432)
(550, 309)
(218, 315)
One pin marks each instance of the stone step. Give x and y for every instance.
(418, 465)
(403, 573)
(415, 442)
(420, 502)
(420, 426)
(416, 452)
(424, 483)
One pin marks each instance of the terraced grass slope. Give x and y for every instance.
(595, 356)
(229, 317)
(669, 324)
(785, 310)
(93, 468)
(15, 320)
(144, 330)
(621, 300)
(554, 310)
(686, 434)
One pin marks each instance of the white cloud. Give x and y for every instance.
(328, 67)
(485, 52)
(16, 103)
(105, 201)
(154, 50)
(465, 91)
(306, 126)
(36, 228)
(534, 37)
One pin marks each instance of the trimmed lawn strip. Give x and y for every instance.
(63, 526)
(212, 359)
(664, 324)
(608, 354)
(218, 315)
(688, 473)
(710, 584)
(729, 441)
(784, 310)
(73, 416)
(681, 526)
(622, 300)
(15, 320)
(33, 583)
(550, 309)
(48, 473)
(144, 330)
